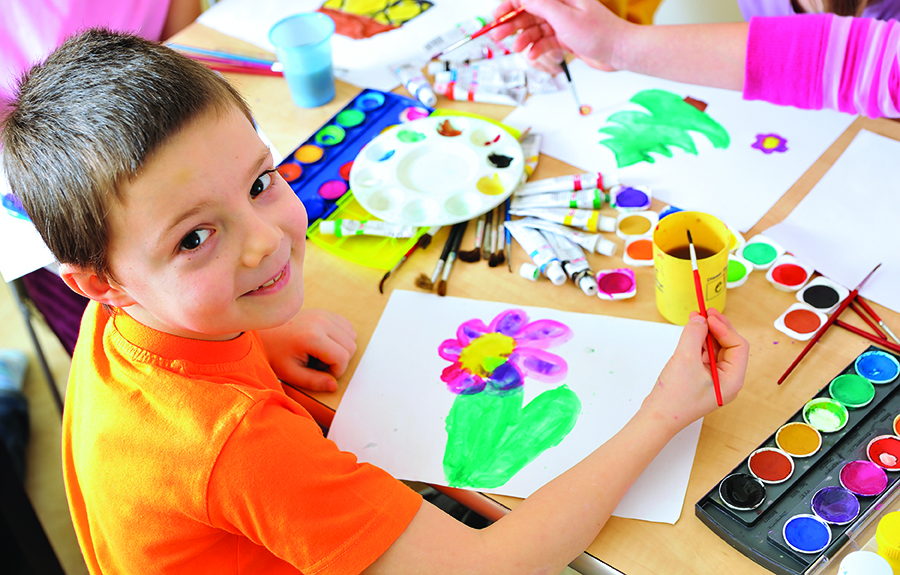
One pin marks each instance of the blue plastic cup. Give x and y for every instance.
(303, 46)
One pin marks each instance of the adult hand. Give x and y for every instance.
(585, 28)
(311, 350)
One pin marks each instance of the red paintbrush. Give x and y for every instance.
(702, 306)
(870, 336)
(481, 32)
(877, 319)
(831, 320)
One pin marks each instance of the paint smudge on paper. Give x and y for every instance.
(770, 143)
(358, 19)
(585, 110)
(667, 125)
(491, 436)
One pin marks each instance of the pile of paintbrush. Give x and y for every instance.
(492, 241)
(445, 262)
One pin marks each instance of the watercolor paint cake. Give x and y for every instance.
(824, 474)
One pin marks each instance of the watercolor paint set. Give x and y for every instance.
(318, 171)
(823, 476)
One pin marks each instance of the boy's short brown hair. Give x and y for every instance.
(84, 122)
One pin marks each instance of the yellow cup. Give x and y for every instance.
(887, 536)
(676, 296)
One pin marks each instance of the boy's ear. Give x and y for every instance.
(87, 283)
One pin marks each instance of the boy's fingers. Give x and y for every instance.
(693, 336)
(735, 349)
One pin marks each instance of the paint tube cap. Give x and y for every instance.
(555, 273)
(327, 227)
(606, 247)
(529, 271)
(865, 563)
(588, 284)
(887, 537)
(606, 224)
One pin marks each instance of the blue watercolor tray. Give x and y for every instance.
(318, 171)
(758, 533)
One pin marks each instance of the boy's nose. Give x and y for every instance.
(263, 239)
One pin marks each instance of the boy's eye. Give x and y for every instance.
(194, 239)
(261, 183)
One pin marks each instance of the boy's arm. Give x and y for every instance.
(555, 524)
(311, 350)
(705, 54)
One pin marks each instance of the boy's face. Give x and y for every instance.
(209, 240)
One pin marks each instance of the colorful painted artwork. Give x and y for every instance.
(360, 19)
(666, 124)
(491, 436)
(769, 143)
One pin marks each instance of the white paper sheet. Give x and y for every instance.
(21, 248)
(847, 223)
(738, 184)
(367, 61)
(394, 409)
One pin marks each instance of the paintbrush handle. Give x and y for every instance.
(878, 341)
(497, 22)
(711, 351)
(865, 318)
(818, 335)
(871, 312)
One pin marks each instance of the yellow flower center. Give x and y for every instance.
(483, 355)
(770, 143)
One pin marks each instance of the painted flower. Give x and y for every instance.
(768, 143)
(499, 356)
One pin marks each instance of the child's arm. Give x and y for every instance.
(313, 334)
(555, 524)
(705, 54)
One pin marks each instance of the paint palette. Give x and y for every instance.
(319, 169)
(797, 499)
(437, 171)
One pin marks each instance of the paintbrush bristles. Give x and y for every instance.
(470, 256)
(424, 282)
(496, 259)
(442, 288)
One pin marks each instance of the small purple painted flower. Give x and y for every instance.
(768, 143)
(499, 356)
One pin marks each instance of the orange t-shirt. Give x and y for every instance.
(186, 456)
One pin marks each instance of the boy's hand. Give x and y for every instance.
(547, 28)
(313, 338)
(684, 391)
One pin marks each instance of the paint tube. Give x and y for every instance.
(590, 242)
(590, 220)
(416, 84)
(539, 250)
(531, 149)
(455, 34)
(474, 93)
(574, 262)
(346, 228)
(587, 181)
(585, 199)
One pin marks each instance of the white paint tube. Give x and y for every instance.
(574, 262)
(585, 199)
(455, 34)
(590, 242)
(346, 228)
(506, 97)
(590, 220)
(539, 250)
(531, 150)
(416, 84)
(587, 181)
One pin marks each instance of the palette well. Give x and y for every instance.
(761, 251)
(630, 198)
(437, 171)
(823, 294)
(845, 467)
(616, 284)
(636, 224)
(787, 273)
(738, 271)
(800, 321)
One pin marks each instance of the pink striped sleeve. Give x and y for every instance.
(825, 61)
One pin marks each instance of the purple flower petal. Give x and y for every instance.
(544, 334)
(472, 329)
(506, 376)
(450, 349)
(466, 384)
(541, 365)
(509, 322)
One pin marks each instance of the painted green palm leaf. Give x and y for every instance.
(667, 125)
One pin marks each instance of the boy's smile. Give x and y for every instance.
(209, 240)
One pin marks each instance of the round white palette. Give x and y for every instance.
(437, 171)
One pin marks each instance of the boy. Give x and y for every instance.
(181, 453)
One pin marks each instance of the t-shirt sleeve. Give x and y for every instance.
(283, 485)
(821, 61)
